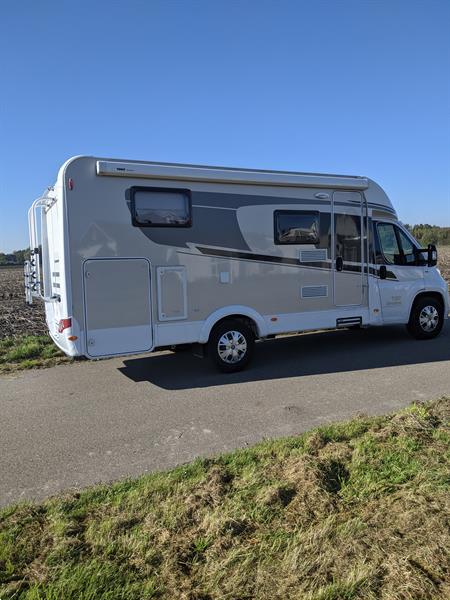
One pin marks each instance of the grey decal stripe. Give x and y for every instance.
(348, 268)
(302, 201)
(213, 207)
(219, 199)
(205, 252)
(248, 256)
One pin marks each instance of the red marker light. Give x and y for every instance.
(70, 183)
(64, 324)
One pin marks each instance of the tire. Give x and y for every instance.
(427, 318)
(231, 345)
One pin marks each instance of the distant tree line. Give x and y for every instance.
(424, 234)
(430, 234)
(18, 257)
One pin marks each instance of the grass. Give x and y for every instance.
(27, 352)
(357, 510)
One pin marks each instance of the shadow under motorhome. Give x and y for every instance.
(132, 256)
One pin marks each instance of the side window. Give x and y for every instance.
(388, 244)
(296, 227)
(348, 237)
(394, 246)
(409, 257)
(160, 207)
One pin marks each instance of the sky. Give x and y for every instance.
(336, 86)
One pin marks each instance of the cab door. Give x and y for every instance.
(403, 278)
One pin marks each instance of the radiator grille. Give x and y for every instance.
(314, 291)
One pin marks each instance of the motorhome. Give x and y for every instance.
(131, 257)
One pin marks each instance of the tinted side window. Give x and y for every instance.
(394, 246)
(409, 257)
(295, 227)
(153, 207)
(348, 237)
(388, 243)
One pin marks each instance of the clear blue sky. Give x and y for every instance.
(344, 86)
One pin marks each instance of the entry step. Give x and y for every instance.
(348, 321)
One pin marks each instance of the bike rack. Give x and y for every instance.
(32, 267)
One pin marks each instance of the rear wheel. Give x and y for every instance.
(231, 345)
(427, 318)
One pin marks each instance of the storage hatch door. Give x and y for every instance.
(117, 306)
(172, 296)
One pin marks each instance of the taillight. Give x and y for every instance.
(64, 324)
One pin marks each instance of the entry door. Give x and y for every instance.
(117, 306)
(348, 248)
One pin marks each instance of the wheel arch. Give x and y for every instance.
(254, 319)
(436, 294)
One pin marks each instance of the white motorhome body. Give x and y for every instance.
(134, 256)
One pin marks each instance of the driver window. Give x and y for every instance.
(409, 257)
(388, 243)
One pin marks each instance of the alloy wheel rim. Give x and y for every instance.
(429, 318)
(232, 347)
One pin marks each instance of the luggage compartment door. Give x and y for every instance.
(117, 306)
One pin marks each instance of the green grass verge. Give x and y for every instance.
(350, 511)
(27, 352)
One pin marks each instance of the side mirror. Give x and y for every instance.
(339, 263)
(432, 255)
(382, 272)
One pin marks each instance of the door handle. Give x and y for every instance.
(339, 263)
(382, 272)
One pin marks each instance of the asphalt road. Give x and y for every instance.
(75, 425)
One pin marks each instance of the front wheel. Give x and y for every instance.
(427, 319)
(231, 345)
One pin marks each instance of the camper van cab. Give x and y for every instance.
(132, 257)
